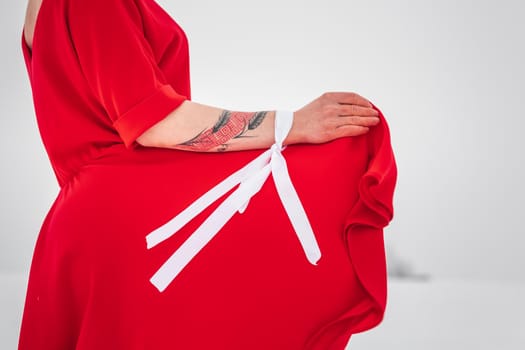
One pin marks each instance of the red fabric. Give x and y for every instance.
(103, 71)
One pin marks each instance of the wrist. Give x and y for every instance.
(294, 135)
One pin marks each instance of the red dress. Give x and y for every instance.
(104, 71)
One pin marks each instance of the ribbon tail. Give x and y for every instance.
(167, 230)
(209, 228)
(294, 209)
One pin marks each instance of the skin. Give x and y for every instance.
(33, 6)
(191, 126)
(202, 128)
(230, 125)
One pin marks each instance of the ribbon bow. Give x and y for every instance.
(250, 179)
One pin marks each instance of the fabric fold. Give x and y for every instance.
(373, 211)
(363, 232)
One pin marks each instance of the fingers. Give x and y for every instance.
(349, 110)
(358, 121)
(334, 115)
(350, 98)
(351, 130)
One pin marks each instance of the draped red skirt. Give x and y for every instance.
(251, 287)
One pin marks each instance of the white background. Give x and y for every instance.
(449, 77)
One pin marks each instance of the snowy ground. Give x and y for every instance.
(445, 314)
(421, 315)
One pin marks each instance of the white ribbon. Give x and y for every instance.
(250, 179)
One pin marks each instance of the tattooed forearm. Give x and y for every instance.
(256, 120)
(223, 119)
(229, 125)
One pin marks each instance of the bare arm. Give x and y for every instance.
(201, 128)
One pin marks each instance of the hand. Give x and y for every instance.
(331, 116)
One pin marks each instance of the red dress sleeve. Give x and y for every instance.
(119, 65)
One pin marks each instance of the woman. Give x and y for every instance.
(130, 150)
